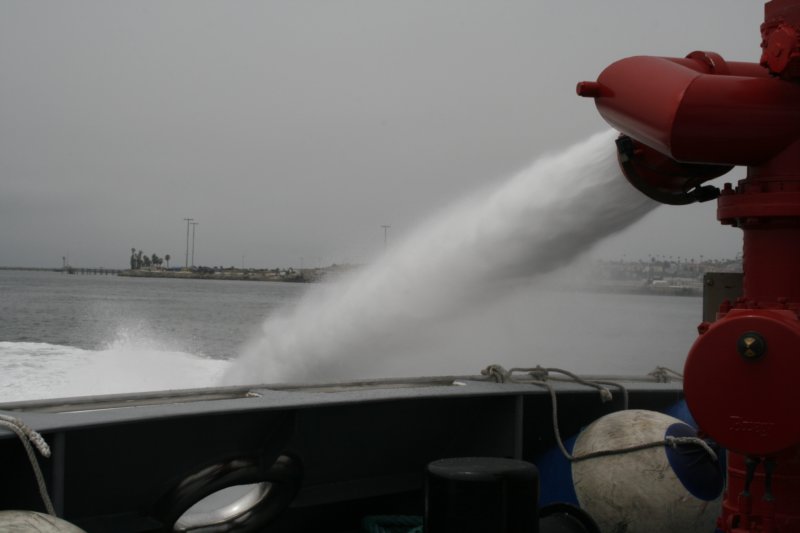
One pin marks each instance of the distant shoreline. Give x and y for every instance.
(35, 269)
(654, 290)
(312, 275)
(291, 276)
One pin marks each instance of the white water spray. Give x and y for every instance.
(471, 254)
(33, 370)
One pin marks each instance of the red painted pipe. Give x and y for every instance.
(681, 116)
(699, 109)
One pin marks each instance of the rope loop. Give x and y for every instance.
(663, 374)
(497, 373)
(33, 436)
(539, 373)
(28, 436)
(677, 441)
(667, 441)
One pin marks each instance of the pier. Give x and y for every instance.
(102, 271)
(67, 270)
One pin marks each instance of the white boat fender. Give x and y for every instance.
(555, 469)
(26, 521)
(658, 489)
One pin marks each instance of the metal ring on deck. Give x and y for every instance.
(239, 494)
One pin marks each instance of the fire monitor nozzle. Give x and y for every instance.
(663, 179)
(685, 121)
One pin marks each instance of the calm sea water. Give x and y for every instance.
(73, 335)
(467, 288)
(203, 317)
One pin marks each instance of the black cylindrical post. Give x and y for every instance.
(481, 495)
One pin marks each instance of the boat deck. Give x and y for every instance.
(356, 449)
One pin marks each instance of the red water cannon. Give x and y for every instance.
(685, 121)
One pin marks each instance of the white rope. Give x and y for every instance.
(667, 441)
(677, 441)
(27, 436)
(497, 373)
(541, 376)
(621, 387)
(663, 374)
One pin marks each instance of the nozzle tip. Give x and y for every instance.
(588, 89)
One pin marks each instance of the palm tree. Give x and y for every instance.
(166, 258)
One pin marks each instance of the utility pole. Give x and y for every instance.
(188, 221)
(385, 232)
(193, 226)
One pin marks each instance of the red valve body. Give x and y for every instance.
(741, 375)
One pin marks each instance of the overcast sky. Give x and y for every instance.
(292, 131)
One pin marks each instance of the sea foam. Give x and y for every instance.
(32, 371)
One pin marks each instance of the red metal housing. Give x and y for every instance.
(740, 375)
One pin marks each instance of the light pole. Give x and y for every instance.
(188, 221)
(385, 233)
(194, 224)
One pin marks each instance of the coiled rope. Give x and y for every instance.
(28, 436)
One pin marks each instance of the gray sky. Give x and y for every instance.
(291, 131)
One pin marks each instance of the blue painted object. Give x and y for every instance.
(702, 476)
(681, 411)
(555, 476)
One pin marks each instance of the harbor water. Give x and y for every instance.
(484, 281)
(71, 335)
